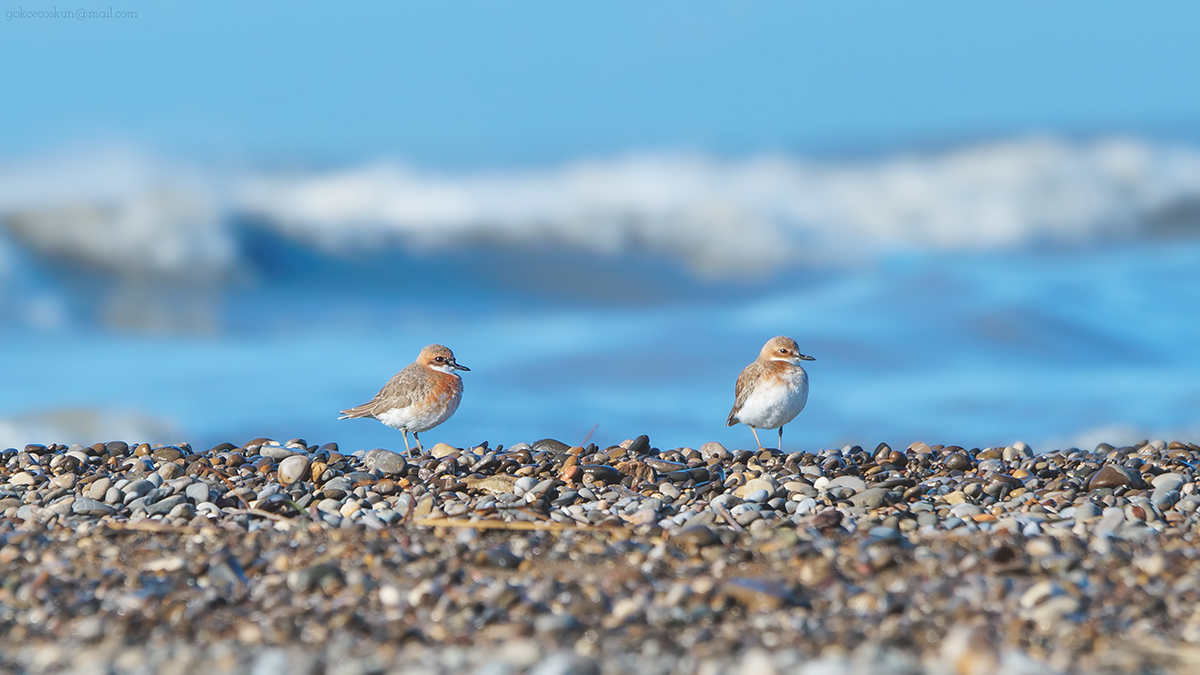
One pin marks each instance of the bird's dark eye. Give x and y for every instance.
(440, 359)
(783, 350)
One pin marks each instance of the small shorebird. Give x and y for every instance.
(418, 398)
(771, 391)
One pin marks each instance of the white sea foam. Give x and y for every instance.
(727, 216)
(129, 214)
(117, 211)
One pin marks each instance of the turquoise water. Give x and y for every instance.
(1031, 289)
(973, 349)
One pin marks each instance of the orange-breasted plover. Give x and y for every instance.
(418, 398)
(771, 391)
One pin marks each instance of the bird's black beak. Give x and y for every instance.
(804, 357)
(461, 367)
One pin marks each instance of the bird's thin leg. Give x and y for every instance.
(756, 437)
(781, 438)
(418, 439)
(405, 432)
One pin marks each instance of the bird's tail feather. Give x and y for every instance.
(357, 411)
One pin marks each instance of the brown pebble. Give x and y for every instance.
(757, 595)
(318, 472)
(1110, 476)
(166, 454)
(1007, 480)
(958, 461)
(696, 536)
(605, 474)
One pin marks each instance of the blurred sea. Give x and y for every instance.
(1034, 289)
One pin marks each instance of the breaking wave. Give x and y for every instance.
(132, 215)
(118, 212)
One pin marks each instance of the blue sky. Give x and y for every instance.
(512, 82)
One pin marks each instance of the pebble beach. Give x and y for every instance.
(283, 557)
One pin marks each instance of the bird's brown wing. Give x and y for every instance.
(405, 388)
(742, 390)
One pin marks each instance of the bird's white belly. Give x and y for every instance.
(419, 418)
(396, 418)
(774, 404)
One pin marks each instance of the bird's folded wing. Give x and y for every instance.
(742, 391)
(405, 388)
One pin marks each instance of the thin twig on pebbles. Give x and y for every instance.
(494, 524)
(147, 526)
(228, 483)
(724, 513)
(259, 512)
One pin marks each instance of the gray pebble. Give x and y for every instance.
(991, 465)
(853, 483)
(523, 485)
(1168, 481)
(555, 624)
(309, 578)
(539, 490)
(99, 488)
(965, 510)
(165, 505)
(293, 469)
(1164, 498)
(276, 452)
(1086, 511)
(1188, 504)
(840, 493)
(155, 495)
(714, 449)
(746, 517)
(1113, 518)
(805, 505)
(86, 506)
(758, 496)
(138, 488)
(644, 517)
(727, 500)
(386, 462)
(268, 490)
(565, 663)
(197, 493)
(329, 506)
(1011, 453)
(871, 498)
